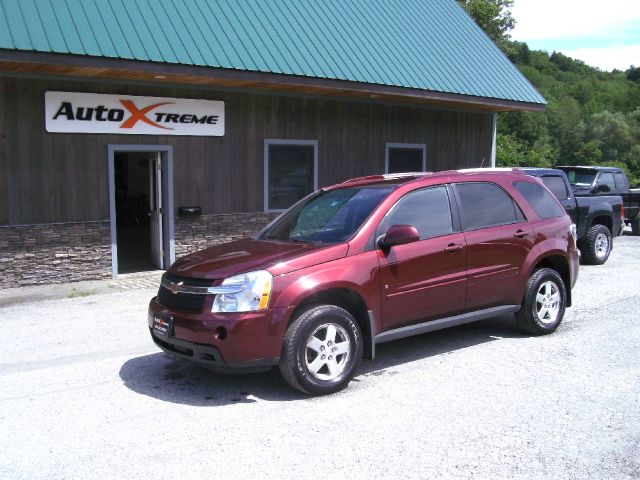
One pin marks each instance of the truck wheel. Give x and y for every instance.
(544, 303)
(322, 349)
(596, 245)
(635, 225)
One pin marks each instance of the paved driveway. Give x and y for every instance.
(84, 394)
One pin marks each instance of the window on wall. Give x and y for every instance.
(405, 157)
(291, 172)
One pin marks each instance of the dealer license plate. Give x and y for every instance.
(162, 325)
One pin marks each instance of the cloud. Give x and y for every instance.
(620, 57)
(603, 34)
(555, 19)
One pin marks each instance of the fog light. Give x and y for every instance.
(221, 333)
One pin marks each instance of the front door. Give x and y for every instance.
(425, 279)
(141, 227)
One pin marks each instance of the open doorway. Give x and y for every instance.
(140, 231)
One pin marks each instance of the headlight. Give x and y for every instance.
(249, 292)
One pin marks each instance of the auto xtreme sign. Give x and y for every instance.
(68, 112)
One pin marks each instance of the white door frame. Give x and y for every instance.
(168, 239)
(156, 213)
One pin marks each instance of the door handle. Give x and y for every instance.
(453, 248)
(521, 233)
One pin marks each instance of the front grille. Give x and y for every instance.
(185, 302)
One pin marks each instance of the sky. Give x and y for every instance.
(603, 34)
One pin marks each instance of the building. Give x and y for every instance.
(135, 132)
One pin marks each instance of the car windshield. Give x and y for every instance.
(331, 216)
(583, 178)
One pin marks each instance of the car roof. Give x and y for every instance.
(398, 179)
(537, 171)
(591, 167)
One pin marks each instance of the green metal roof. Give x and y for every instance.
(430, 45)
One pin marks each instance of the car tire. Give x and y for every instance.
(596, 245)
(635, 225)
(322, 350)
(543, 304)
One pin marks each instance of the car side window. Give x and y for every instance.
(427, 210)
(606, 178)
(621, 181)
(557, 186)
(540, 199)
(485, 204)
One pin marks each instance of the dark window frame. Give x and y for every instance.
(404, 146)
(287, 142)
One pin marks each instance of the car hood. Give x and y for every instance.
(247, 255)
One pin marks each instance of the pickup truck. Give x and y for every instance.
(598, 218)
(602, 181)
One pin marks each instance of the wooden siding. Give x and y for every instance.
(54, 177)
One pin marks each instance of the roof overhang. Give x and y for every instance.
(79, 66)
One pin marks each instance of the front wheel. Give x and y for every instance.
(544, 303)
(596, 245)
(322, 349)
(635, 225)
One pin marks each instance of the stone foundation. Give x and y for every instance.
(54, 253)
(196, 233)
(70, 252)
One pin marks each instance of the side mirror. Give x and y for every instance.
(398, 235)
(603, 189)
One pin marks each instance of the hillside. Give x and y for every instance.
(592, 117)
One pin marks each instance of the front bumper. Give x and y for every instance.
(225, 343)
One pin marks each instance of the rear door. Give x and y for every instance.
(425, 279)
(498, 240)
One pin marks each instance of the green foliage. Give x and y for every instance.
(493, 16)
(592, 117)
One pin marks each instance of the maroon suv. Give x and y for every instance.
(368, 261)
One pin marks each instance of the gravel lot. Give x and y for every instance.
(84, 394)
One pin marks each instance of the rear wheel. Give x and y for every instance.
(322, 349)
(596, 245)
(544, 303)
(635, 225)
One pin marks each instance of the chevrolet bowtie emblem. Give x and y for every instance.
(174, 287)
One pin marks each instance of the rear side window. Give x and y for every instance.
(621, 181)
(557, 185)
(606, 178)
(428, 210)
(540, 199)
(486, 205)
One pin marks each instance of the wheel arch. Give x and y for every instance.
(601, 219)
(560, 265)
(347, 299)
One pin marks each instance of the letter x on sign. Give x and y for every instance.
(140, 114)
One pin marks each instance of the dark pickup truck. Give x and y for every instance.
(602, 181)
(598, 218)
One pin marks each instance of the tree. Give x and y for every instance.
(633, 74)
(493, 16)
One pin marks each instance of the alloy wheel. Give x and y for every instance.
(328, 351)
